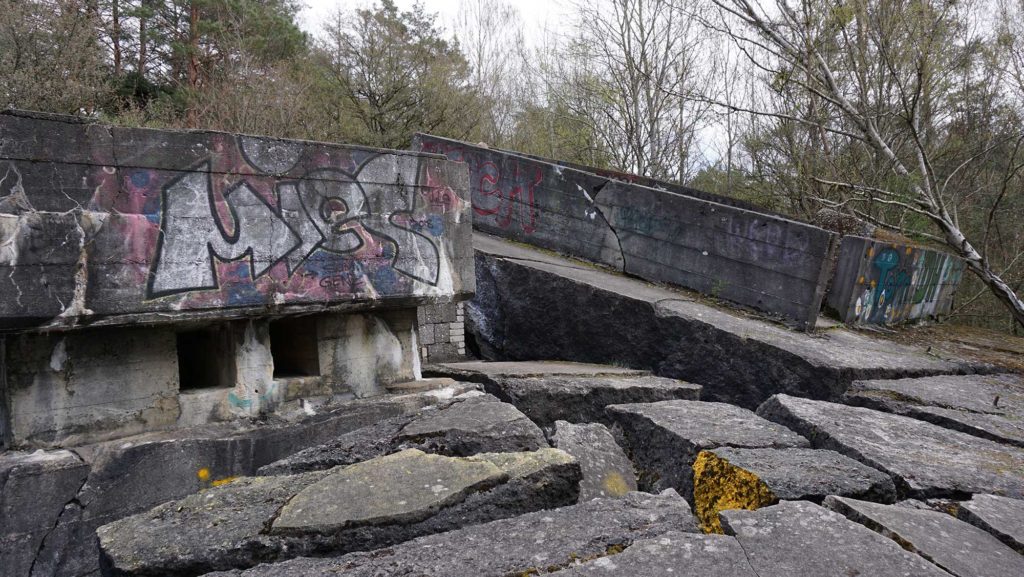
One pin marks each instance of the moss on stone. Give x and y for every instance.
(719, 485)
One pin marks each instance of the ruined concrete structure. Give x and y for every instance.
(153, 279)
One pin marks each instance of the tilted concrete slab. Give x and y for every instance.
(549, 391)
(988, 406)
(801, 538)
(664, 438)
(1000, 516)
(728, 478)
(531, 304)
(529, 544)
(607, 472)
(923, 459)
(957, 547)
(369, 505)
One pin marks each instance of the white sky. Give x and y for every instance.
(537, 15)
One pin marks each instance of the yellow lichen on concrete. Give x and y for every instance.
(615, 484)
(718, 485)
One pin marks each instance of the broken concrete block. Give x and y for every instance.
(369, 505)
(474, 425)
(577, 398)
(461, 427)
(1000, 516)
(923, 459)
(957, 547)
(673, 553)
(34, 489)
(801, 538)
(529, 544)
(988, 406)
(663, 438)
(607, 472)
(727, 478)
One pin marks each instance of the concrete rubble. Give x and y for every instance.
(607, 472)
(369, 505)
(923, 459)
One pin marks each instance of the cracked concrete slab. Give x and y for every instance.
(955, 546)
(670, 554)
(607, 472)
(524, 545)
(923, 459)
(1000, 516)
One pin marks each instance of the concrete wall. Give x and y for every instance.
(759, 260)
(878, 282)
(110, 225)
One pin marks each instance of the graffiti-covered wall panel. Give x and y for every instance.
(878, 282)
(100, 221)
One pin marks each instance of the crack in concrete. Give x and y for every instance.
(74, 500)
(615, 233)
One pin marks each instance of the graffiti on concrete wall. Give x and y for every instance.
(898, 283)
(255, 223)
(503, 194)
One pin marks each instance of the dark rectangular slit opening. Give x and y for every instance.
(201, 359)
(293, 344)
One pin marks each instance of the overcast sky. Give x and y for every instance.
(537, 14)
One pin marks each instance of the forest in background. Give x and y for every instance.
(907, 115)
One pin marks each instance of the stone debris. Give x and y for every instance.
(988, 406)
(547, 392)
(923, 459)
(607, 472)
(802, 538)
(1000, 516)
(728, 478)
(664, 438)
(465, 426)
(673, 553)
(364, 506)
(957, 547)
(531, 544)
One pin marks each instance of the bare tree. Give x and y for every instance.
(881, 75)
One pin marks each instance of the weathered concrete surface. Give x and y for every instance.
(160, 225)
(759, 260)
(923, 459)
(365, 506)
(470, 424)
(34, 489)
(673, 553)
(728, 478)
(989, 406)
(879, 282)
(551, 391)
(955, 546)
(664, 438)
(528, 544)
(607, 472)
(135, 474)
(801, 538)
(1000, 516)
(532, 305)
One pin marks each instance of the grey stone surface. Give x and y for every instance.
(607, 472)
(463, 426)
(988, 406)
(385, 490)
(811, 474)
(671, 554)
(955, 546)
(663, 438)
(474, 425)
(370, 505)
(34, 490)
(1000, 516)
(577, 398)
(533, 305)
(923, 459)
(801, 538)
(524, 545)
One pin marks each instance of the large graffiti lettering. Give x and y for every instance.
(327, 209)
(503, 194)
